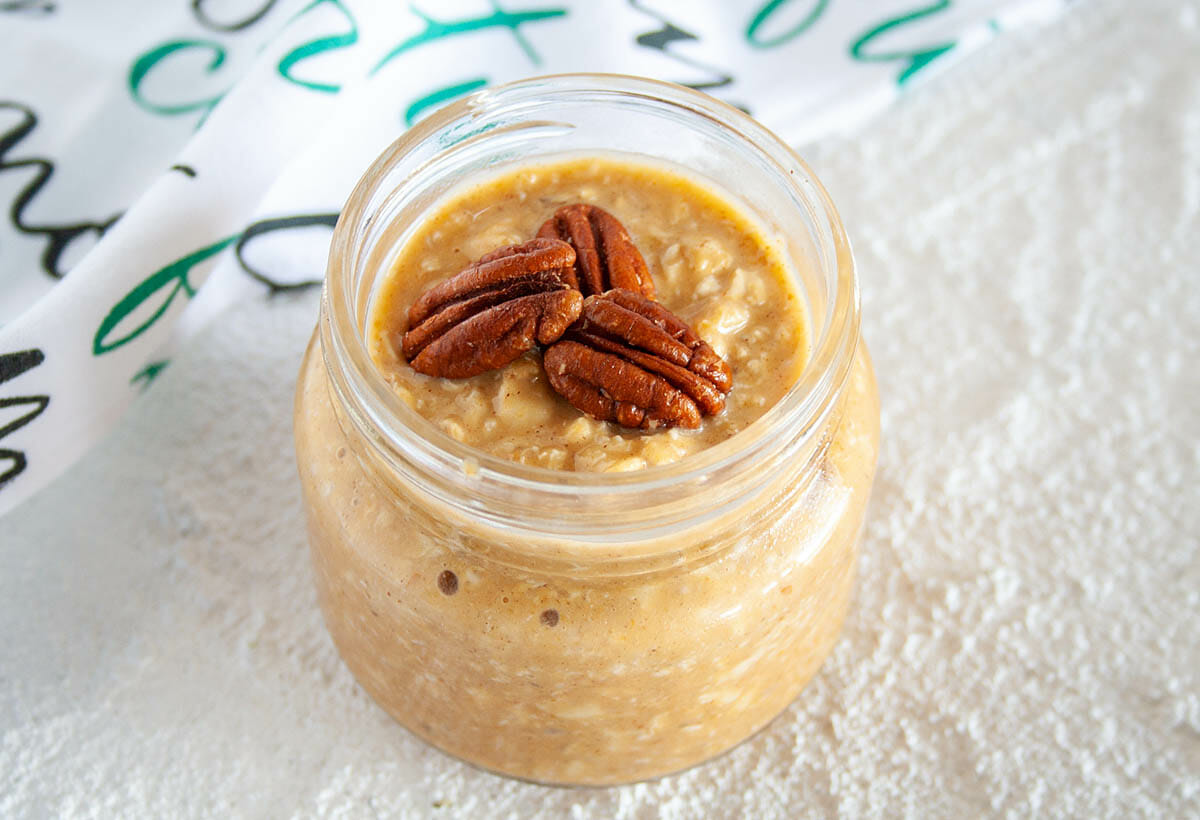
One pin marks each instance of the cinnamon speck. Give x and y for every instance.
(550, 617)
(448, 582)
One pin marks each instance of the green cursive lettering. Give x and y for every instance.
(767, 11)
(146, 63)
(435, 98)
(172, 279)
(499, 18)
(916, 59)
(318, 46)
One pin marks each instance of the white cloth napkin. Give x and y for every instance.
(147, 147)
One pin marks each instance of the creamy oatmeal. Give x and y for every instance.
(540, 634)
(572, 670)
(710, 264)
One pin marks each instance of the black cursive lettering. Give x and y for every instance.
(11, 366)
(58, 237)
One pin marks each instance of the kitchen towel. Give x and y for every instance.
(150, 148)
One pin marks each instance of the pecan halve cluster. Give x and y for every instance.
(632, 361)
(605, 256)
(617, 355)
(496, 309)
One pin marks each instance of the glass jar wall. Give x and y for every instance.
(568, 627)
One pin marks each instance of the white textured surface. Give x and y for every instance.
(1026, 638)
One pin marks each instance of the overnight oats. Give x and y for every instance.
(705, 261)
(587, 433)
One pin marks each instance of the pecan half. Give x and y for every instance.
(632, 361)
(493, 311)
(605, 256)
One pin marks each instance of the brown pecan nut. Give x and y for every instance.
(493, 311)
(605, 256)
(632, 361)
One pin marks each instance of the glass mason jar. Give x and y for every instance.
(576, 627)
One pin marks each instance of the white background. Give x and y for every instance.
(1026, 635)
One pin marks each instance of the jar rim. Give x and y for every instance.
(406, 437)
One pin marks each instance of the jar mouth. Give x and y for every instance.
(408, 440)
